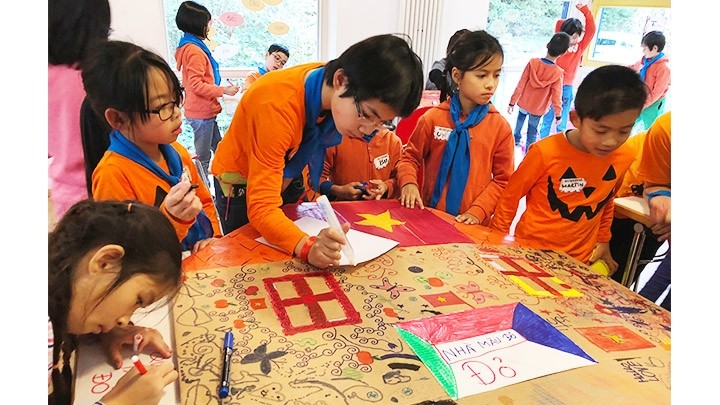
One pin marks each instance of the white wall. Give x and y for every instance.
(342, 22)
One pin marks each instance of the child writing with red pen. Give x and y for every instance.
(140, 99)
(362, 168)
(106, 259)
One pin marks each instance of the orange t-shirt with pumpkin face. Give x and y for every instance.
(569, 197)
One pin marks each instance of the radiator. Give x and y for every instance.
(421, 23)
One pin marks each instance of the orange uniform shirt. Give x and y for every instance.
(540, 85)
(657, 79)
(119, 178)
(491, 159)
(267, 127)
(569, 197)
(358, 160)
(201, 93)
(570, 60)
(654, 166)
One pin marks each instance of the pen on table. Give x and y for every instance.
(332, 220)
(138, 364)
(224, 389)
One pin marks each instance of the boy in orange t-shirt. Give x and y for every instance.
(570, 179)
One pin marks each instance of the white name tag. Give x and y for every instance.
(442, 133)
(572, 185)
(381, 161)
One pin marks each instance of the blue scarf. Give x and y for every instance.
(202, 228)
(262, 70)
(647, 63)
(457, 156)
(316, 137)
(192, 39)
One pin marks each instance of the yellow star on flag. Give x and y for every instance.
(383, 221)
(442, 299)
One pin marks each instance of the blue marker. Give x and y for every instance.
(363, 188)
(224, 389)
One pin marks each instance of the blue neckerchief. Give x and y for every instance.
(262, 70)
(192, 39)
(316, 137)
(202, 228)
(647, 63)
(457, 156)
(547, 61)
(370, 136)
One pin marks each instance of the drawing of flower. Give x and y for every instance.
(261, 355)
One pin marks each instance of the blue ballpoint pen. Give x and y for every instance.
(224, 389)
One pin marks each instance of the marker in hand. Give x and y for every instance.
(363, 187)
(192, 187)
(138, 364)
(332, 220)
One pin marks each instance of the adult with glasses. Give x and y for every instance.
(286, 121)
(139, 97)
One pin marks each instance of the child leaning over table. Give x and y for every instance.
(570, 179)
(362, 168)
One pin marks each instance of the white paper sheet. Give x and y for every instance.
(365, 245)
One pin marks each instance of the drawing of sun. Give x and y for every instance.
(382, 221)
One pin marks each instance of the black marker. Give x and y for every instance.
(192, 187)
(224, 389)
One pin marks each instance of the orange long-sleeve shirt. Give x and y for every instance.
(267, 127)
(657, 79)
(540, 85)
(569, 197)
(570, 60)
(201, 93)
(119, 178)
(631, 178)
(491, 159)
(357, 160)
(654, 166)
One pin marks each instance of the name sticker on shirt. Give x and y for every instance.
(572, 185)
(381, 161)
(185, 176)
(442, 133)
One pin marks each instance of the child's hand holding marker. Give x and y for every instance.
(113, 341)
(182, 203)
(142, 388)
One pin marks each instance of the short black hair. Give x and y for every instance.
(572, 26)
(610, 89)
(279, 48)
(652, 39)
(74, 27)
(559, 44)
(193, 18)
(382, 67)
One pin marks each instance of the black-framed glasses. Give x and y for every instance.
(362, 117)
(167, 110)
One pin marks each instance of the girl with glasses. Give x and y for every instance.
(272, 141)
(201, 78)
(139, 96)
(464, 146)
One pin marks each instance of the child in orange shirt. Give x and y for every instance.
(276, 57)
(141, 98)
(464, 146)
(654, 69)
(201, 79)
(362, 168)
(570, 179)
(272, 141)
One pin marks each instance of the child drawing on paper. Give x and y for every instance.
(464, 146)
(140, 99)
(105, 261)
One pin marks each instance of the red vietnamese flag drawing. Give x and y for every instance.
(388, 219)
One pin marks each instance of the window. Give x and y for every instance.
(621, 26)
(242, 30)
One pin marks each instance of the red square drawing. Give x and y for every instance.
(614, 338)
(311, 300)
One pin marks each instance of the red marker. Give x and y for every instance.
(138, 364)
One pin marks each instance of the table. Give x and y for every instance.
(635, 208)
(348, 352)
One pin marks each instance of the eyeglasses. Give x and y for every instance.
(167, 110)
(362, 117)
(279, 59)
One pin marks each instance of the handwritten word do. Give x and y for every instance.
(485, 373)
